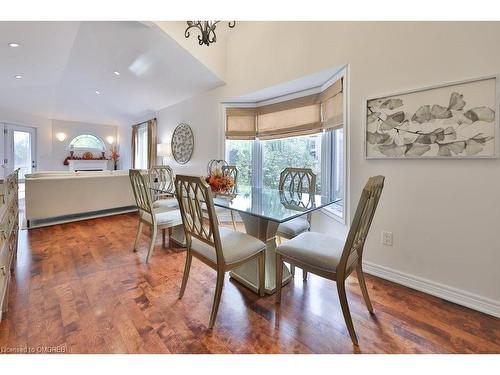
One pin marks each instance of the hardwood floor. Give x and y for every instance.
(79, 286)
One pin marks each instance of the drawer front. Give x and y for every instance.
(5, 255)
(4, 273)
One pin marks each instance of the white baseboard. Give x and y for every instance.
(460, 297)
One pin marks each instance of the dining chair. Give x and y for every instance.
(155, 219)
(296, 180)
(222, 249)
(161, 181)
(332, 258)
(214, 165)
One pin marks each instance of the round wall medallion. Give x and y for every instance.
(182, 143)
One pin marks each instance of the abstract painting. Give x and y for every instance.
(450, 121)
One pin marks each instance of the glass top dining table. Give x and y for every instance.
(272, 204)
(262, 210)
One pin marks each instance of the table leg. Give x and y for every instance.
(177, 236)
(247, 274)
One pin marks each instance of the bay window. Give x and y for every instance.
(305, 132)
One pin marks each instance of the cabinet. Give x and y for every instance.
(9, 227)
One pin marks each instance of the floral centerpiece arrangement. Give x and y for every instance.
(220, 183)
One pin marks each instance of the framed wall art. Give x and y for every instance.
(452, 121)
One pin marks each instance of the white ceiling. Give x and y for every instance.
(304, 83)
(64, 63)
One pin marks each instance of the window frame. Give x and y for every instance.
(327, 144)
(142, 128)
(90, 149)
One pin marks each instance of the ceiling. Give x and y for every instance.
(64, 63)
(310, 81)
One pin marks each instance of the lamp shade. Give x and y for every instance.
(163, 150)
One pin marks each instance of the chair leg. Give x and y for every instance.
(292, 269)
(232, 219)
(304, 275)
(163, 237)
(279, 277)
(364, 290)
(345, 310)
(139, 231)
(218, 293)
(262, 273)
(152, 245)
(185, 276)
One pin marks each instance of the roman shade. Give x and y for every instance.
(240, 123)
(332, 103)
(300, 116)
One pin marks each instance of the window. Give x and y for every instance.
(141, 150)
(264, 160)
(87, 141)
(299, 152)
(300, 131)
(239, 153)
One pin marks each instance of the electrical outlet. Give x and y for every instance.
(387, 238)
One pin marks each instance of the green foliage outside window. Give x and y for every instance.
(300, 152)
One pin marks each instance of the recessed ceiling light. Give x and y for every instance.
(18, 76)
(116, 73)
(97, 92)
(13, 45)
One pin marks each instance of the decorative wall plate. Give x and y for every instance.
(182, 143)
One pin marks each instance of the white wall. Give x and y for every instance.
(444, 214)
(50, 151)
(202, 114)
(60, 150)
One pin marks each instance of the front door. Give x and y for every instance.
(19, 149)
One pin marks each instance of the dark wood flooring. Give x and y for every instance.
(80, 286)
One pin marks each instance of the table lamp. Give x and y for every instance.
(164, 151)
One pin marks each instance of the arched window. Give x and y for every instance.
(87, 141)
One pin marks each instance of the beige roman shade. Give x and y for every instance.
(332, 102)
(240, 123)
(301, 116)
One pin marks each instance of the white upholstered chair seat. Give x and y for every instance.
(166, 204)
(316, 249)
(294, 227)
(236, 246)
(165, 218)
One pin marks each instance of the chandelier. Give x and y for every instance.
(207, 30)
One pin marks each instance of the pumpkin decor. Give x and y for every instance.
(88, 156)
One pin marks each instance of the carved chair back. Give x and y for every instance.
(195, 198)
(142, 193)
(231, 171)
(353, 249)
(299, 180)
(161, 179)
(214, 166)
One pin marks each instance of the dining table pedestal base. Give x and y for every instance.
(248, 274)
